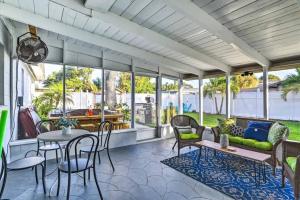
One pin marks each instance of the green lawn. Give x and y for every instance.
(210, 120)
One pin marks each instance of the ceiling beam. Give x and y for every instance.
(149, 35)
(27, 17)
(200, 17)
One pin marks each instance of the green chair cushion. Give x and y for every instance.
(225, 125)
(266, 146)
(189, 136)
(292, 161)
(276, 132)
(236, 139)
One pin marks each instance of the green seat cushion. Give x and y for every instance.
(189, 136)
(276, 132)
(291, 161)
(225, 125)
(266, 146)
(249, 142)
(236, 139)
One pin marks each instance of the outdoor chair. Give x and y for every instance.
(27, 163)
(291, 165)
(106, 125)
(76, 164)
(3, 173)
(187, 131)
(33, 125)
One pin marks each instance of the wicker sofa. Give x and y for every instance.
(259, 146)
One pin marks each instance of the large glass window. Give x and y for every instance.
(190, 95)
(214, 100)
(145, 102)
(169, 92)
(247, 95)
(39, 87)
(117, 95)
(284, 99)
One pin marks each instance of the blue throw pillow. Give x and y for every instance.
(257, 130)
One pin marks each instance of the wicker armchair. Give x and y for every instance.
(291, 149)
(184, 120)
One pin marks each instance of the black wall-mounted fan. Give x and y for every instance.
(31, 49)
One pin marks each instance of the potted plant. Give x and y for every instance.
(66, 125)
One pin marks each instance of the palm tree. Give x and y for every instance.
(51, 99)
(218, 86)
(291, 84)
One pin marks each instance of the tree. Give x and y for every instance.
(218, 86)
(98, 83)
(77, 79)
(170, 86)
(291, 84)
(271, 77)
(51, 99)
(143, 84)
(110, 88)
(245, 81)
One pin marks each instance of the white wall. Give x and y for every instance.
(5, 45)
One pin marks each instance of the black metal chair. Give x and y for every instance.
(106, 125)
(79, 164)
(3, 173)
(41, 127)
(27, 163)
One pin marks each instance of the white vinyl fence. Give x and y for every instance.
(246, 103)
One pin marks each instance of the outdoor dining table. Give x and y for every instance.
(58, 137)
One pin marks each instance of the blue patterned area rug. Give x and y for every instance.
(231, 175)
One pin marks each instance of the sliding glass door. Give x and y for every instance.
(145, 107)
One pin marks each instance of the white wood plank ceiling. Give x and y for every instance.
(270, 27)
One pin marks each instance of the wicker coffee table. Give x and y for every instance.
(258, 159)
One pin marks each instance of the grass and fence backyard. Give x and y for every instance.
(210, 120)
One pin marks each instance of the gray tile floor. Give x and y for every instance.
(139, 175)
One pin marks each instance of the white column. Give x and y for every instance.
(266, 92)
(201, 99)
(132, 95)
(158, 104)
(228, 95)
(180, 96)
(102, 86)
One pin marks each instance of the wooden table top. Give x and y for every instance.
(235, 151)
(57, 136)
(83, 117)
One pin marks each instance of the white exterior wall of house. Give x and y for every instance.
(5, 49)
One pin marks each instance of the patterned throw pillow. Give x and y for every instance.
(276, 132)
(237, 131)
(225, 125)
(184, 129)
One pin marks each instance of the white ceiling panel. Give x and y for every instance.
(120, 6)
(41, 7)
(68, 16)
(27, 5)
(80, 20)
(135, 8)
(55, 11)
(148, 11)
